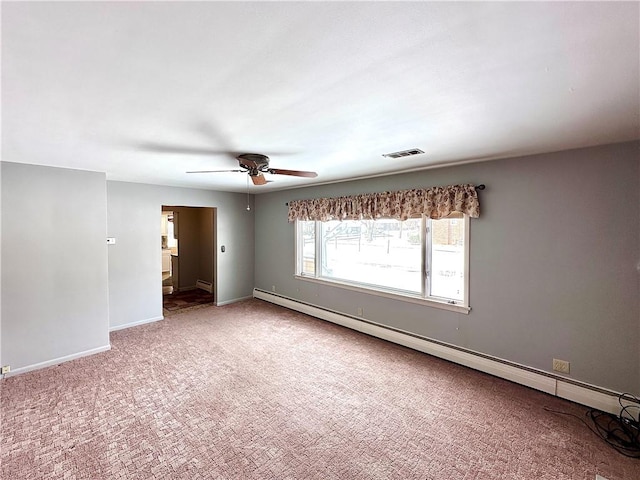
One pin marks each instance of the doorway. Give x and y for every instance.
(188, 239)
(169, 239)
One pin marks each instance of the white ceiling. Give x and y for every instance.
(326, 86)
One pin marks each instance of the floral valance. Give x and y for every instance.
(434, 202)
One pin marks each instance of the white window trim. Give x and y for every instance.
(426, 247)
(460, 307)
(379, 292)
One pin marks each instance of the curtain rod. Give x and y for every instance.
(477, 187)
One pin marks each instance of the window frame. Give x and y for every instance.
(423, 298)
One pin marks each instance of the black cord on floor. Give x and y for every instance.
(621, 432)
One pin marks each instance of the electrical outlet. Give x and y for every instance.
(273, 288)
(561, 366)
(5, 369)
(360, 312)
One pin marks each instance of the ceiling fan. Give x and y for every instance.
(255, 165)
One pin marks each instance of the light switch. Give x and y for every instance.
(222, 249)
(111, 240)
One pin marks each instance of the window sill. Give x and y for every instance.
(388, 294)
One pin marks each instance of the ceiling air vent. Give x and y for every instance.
(403, 153)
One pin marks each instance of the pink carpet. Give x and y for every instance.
(255, 391)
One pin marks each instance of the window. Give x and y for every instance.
(420, 259)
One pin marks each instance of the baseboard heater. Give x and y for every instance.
(206, 286)
(579, 392)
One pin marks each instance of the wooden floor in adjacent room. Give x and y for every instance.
(186, 299)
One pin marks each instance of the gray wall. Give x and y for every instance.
(54, 264)
(553, 267)
(133, 214)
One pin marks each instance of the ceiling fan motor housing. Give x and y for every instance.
(254, 162)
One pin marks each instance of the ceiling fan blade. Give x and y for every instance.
(214, 171)
(294, 173)
(258, 179)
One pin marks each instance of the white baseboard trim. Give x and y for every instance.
(135, 324)
(585, 394)
(56, 361)
(234, 300)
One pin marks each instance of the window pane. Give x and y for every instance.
(447, 258)
(307, 235)
(382, 252)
